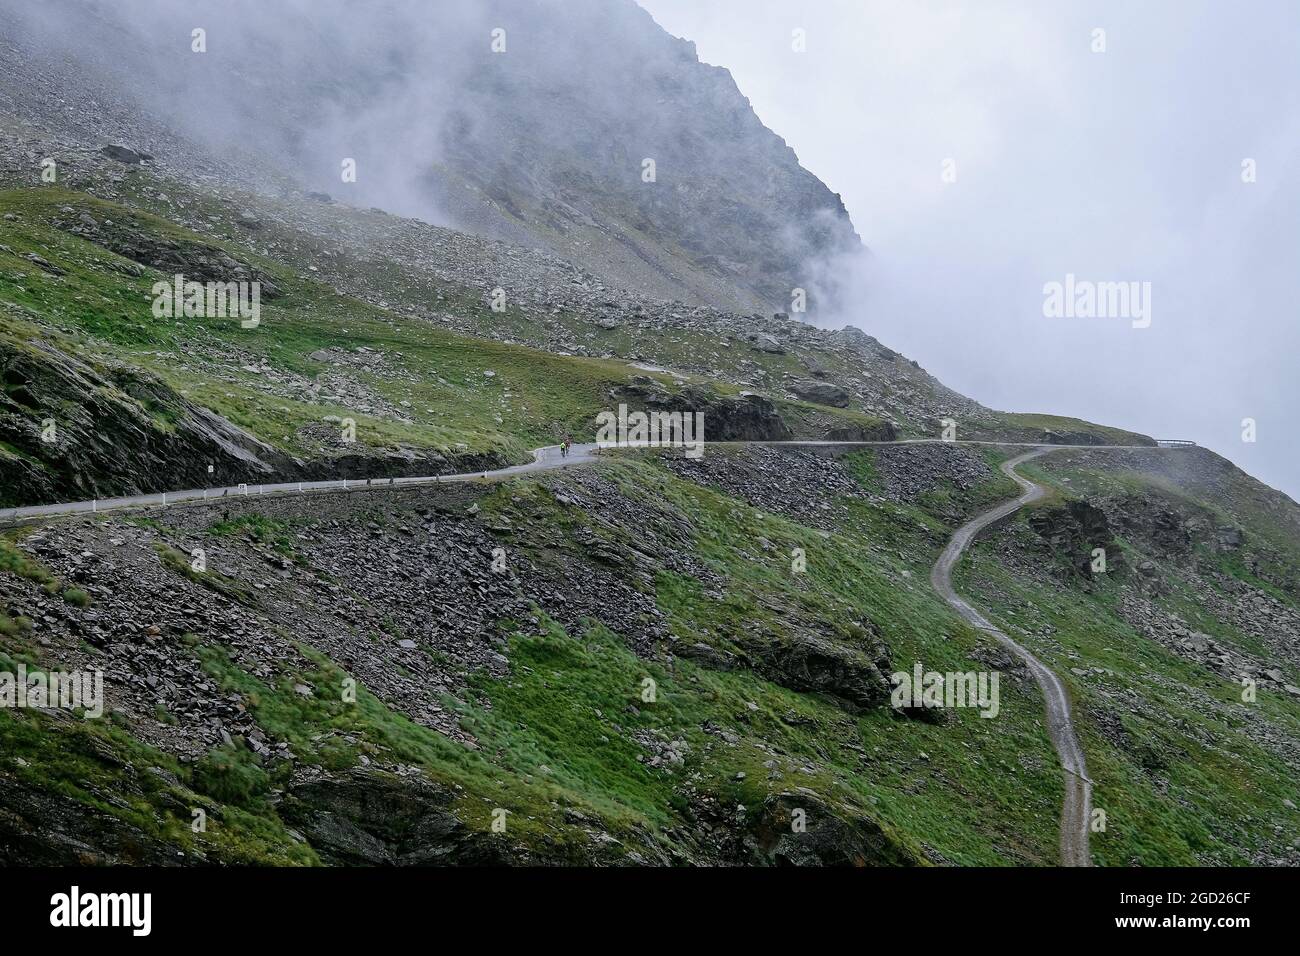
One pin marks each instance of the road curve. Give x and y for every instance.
(1077, 806)
(546, 458)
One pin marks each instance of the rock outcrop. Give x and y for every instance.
(823, 393)
(1074, 531)
(800, 829)
(70, 432)
(745, 417)
(809, 662)
(373, 818)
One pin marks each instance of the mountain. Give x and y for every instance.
(644, 659)
(463, 114)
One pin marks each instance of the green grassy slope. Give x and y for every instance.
(1187, 768)
(407, 383)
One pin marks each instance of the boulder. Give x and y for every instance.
(817, 664)
(763, 342)
(823, 393)
(124, 154)
(800, 828)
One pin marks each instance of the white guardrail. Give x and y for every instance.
(244, 490)
(541, 458)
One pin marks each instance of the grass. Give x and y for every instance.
(259, 528)
(77, 597)
(101, 312)
(1187, 772)
(1190, 785)
(1030, 426)
(15, 561)
(13, 626)
(567, 731)
(967, 813)
(99, 766)
(564, 741)
(566, 736)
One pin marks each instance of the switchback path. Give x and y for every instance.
(1077, 805)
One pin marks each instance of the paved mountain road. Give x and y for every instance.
(547, 458)
(1077, 805)
(544, 459)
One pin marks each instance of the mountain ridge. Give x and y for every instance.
(731, 218)
(648, 659)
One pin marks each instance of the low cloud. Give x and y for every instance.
(1123, 165)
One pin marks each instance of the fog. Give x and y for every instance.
(534, 146)
(1117, 166)
(289, 86)
(1123, 165)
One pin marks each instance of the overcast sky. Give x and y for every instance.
(1122, 165)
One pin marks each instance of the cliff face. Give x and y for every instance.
(532, 120)
(558, 135)
(678, 658)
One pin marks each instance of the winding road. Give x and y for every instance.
(1077, 805)
(546, 458)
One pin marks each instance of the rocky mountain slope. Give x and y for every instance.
(647, 660)
(520, 687)
(538, 134)
(1181, 653)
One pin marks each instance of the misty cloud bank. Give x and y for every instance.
(529, 120)
(985, 151)
(1117, 166)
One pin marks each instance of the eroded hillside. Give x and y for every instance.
(651, 658)
(529, 121)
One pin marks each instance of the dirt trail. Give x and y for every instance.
(1078, 788)
(1077, 807)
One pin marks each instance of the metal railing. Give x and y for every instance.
(541, 458)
